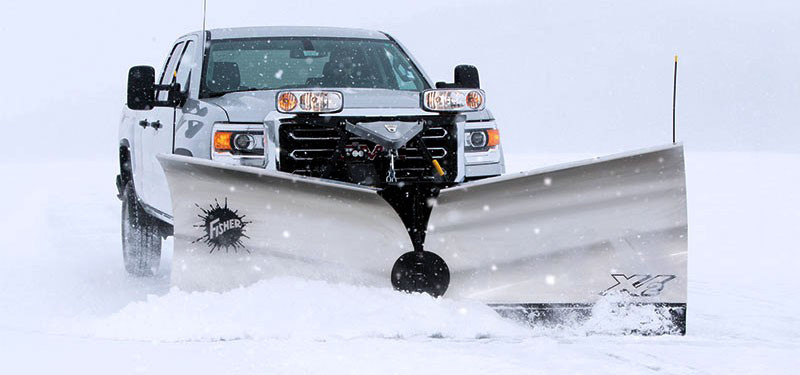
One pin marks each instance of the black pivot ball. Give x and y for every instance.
(421, 272)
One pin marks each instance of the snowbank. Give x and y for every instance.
(296, 308)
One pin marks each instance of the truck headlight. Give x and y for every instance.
(239, 144)
(477, 139)
(453, 100)
(244, 142)
(308, 101)
(481, 139)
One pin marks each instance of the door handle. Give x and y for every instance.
(155, 124)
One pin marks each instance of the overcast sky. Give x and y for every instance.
(560, 76)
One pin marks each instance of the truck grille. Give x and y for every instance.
(308, 143)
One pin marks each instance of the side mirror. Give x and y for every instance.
(141, 87)
(466, 76)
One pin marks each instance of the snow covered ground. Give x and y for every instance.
(67, 305)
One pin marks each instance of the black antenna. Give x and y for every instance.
(203, 37)
(674, 92)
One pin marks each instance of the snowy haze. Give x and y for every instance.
(566, 80)
(566, 76)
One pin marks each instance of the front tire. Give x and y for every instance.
(141, 236)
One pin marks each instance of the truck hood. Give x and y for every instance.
(254, 106)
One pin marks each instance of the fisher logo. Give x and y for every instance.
(223, 227)
(639, 285)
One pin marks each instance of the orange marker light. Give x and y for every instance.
(287, 102)
(494, 137)
(474, 100)
(222, 141)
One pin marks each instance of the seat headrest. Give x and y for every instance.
(329, 69)
(225, 77)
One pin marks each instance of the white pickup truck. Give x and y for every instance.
(288, 99)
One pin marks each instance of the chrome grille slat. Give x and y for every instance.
(294, 153)
(441, 133)
(436, 152)
(435, 130)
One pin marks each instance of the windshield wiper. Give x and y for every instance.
(218, 94)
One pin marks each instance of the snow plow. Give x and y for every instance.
(327, 153)
(536, 244)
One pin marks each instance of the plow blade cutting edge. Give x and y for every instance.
(546, 241)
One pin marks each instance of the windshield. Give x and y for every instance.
(291, 63)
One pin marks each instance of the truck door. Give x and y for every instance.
(158, 130)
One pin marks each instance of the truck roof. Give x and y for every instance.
(290, 31)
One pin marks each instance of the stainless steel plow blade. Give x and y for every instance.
(237, 225)
(544, 241)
